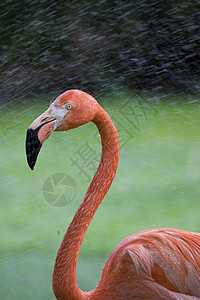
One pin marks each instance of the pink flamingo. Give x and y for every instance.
(152, 264)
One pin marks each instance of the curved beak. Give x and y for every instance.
(36, 134)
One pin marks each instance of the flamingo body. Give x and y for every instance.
(157, 262)
(152, 264)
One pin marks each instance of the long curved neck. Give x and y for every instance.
(64, 275)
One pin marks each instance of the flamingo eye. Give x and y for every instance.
(68, 106)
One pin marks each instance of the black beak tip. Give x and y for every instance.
(33, 147)
(31, 165)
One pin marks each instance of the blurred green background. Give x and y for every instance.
(157, 185)
(140, 59)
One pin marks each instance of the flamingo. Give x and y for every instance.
(158, 263)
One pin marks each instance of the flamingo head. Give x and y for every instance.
(70, 110)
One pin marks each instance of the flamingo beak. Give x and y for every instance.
(37, 133)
